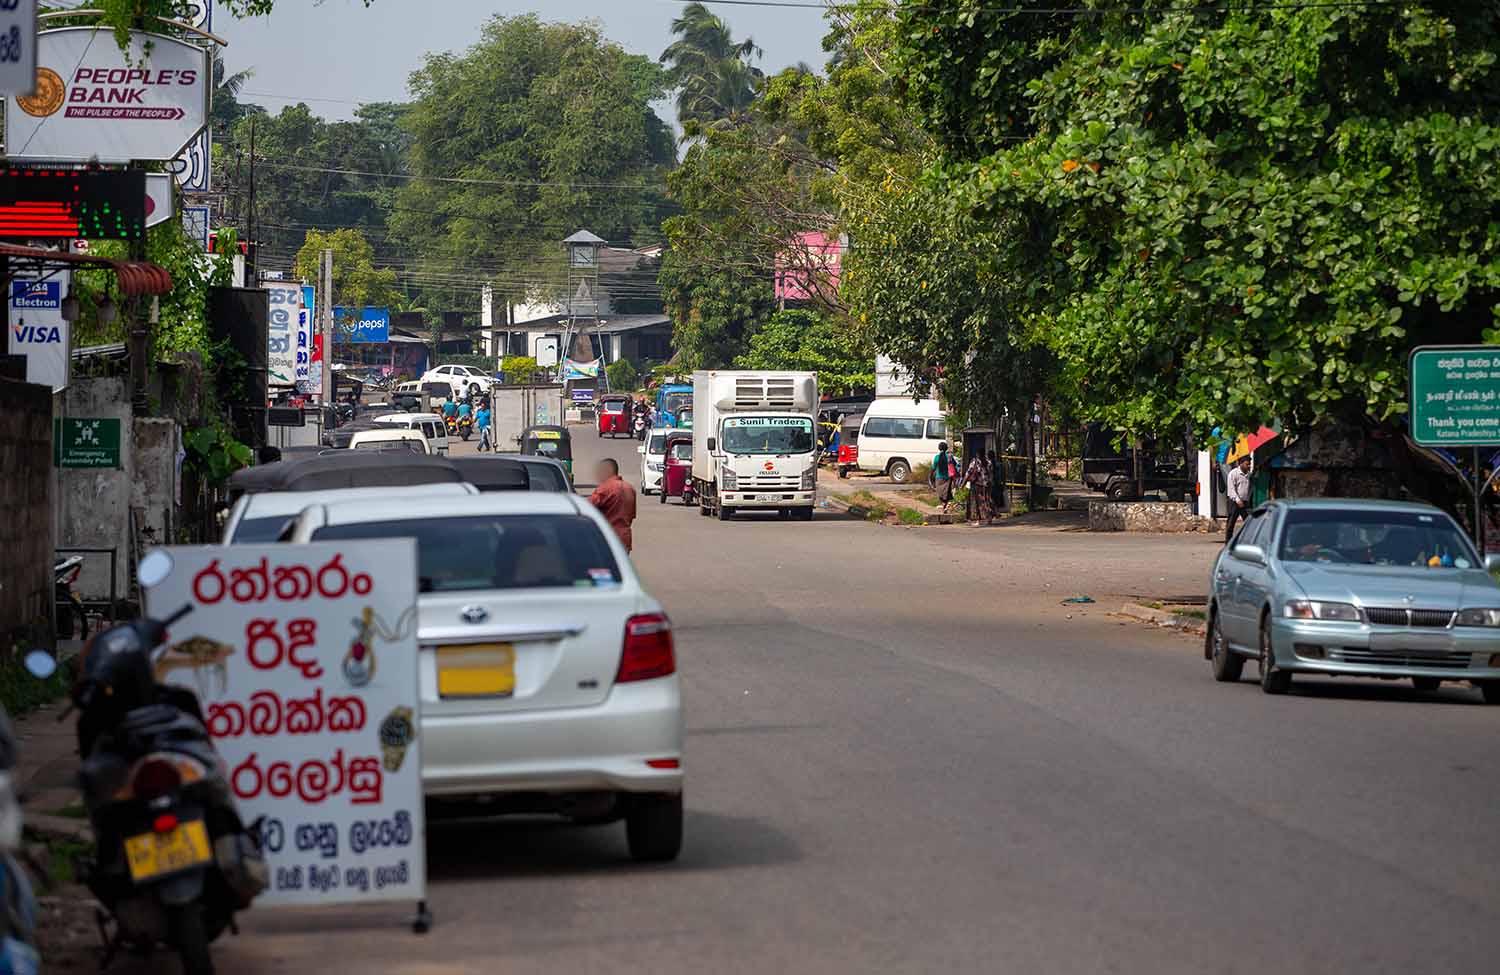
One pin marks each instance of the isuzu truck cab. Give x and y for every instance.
(755, 443)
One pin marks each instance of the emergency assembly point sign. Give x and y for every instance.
(94, 100)
(1455, 396)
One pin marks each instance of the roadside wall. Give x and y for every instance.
(1145, 516)
(26, 503)
(94, 504)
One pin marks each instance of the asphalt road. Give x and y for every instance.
(906, 755)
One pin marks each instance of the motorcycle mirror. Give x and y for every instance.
(155, 566)
(40, 664)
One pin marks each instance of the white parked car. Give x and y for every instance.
(653, 458)
(263, 516)
(547, 674)
(461, 379)
(391, 438)
(430, 425)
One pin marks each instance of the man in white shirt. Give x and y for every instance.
(1239, 495)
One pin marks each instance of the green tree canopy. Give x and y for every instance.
(1220, 215)
(808, 341)
(535, 131)
(710, 70)
(356, 280)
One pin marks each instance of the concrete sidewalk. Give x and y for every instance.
(47, 773)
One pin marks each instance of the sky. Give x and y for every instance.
(335, 54)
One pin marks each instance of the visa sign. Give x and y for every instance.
(38, 330)
(35, 294)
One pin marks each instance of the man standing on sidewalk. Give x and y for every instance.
(615, 499)
(1239, 495)
(482, 420)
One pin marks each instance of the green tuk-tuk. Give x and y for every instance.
(549, 441)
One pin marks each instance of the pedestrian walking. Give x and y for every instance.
(944, 473)
(615, 499)
(1239, 495)
(482, 421)
(977, 479)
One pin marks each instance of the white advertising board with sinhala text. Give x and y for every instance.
(305, 660)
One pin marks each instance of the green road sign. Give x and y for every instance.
(85, 443)
(1455, 395)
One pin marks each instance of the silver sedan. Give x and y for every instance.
(1355, 588)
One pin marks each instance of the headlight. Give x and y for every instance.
(1478, 617)
(727, 480)
(1311, 609)
(809, 479)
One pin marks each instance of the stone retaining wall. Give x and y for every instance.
(1146, 516)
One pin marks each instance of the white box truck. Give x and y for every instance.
(754, 442)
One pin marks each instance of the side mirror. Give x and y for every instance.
(1250, 553)
(40, 664)
(1492, 563)
(713, 445)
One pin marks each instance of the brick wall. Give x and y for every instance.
(25, 506)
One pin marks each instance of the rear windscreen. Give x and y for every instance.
(251, 531)
(496, 551)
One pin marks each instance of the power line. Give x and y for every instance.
(464, 180)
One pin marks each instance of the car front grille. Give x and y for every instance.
(1384, 616)
(1400, 658)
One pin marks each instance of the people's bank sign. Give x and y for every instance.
(94, 100)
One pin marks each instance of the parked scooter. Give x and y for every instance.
(70, 613)
(174, 862)
(18, 908)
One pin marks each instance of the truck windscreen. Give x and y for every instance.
(768, 435)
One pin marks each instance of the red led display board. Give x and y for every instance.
(72, 203)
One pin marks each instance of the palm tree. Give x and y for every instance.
(710, 70)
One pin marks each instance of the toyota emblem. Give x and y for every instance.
(474, 614)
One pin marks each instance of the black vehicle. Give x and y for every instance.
(344, 468)
(173, 861)
(1109, 465)
(494, 473)
(545, 473)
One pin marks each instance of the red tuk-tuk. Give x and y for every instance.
(614, 414)
(677, 469)
(848, 458)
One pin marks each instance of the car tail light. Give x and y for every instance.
(648, 652)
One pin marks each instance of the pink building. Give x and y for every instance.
(810, 269)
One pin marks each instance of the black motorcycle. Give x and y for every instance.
(173, 862)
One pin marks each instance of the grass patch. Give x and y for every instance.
(21, 693)
(911, 516)
(61, 854)
(1196, 614)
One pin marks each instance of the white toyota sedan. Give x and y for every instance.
(548, 674)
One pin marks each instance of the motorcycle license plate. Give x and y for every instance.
(153, 855)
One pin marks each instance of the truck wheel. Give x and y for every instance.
(844, 472)
(805, 514)
(900, 471)
(725, 512)
(703, 508)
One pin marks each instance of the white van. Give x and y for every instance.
(430, 425)
(897, 435)
(390, 438)
(653, 459)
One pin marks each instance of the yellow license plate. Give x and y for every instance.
(156, 854)
(477, 670)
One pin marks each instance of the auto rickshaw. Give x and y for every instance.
(549, 441)
(685, 418)
(677, 468)
(848, 457)
(614, 414)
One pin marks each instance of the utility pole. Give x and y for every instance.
(250, 225)
(325, 313)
